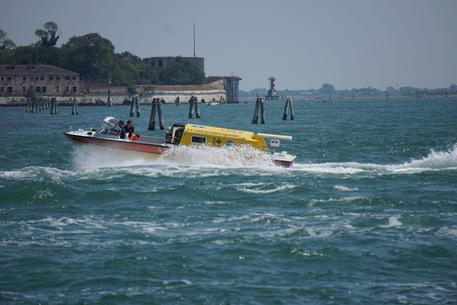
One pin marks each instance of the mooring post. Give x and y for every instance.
(197, 111)
(132, 106)
(291, 108)
(191, 107)
(159, 112)
(109, 102)
(51, 107)
(255, 118)
(73, 107)
(286, 109)
(262, 111)
(177, 101)
(137, 105)
(152, 117)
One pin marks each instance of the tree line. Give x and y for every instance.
(95, 59)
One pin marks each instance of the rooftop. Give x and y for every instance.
(34, 69)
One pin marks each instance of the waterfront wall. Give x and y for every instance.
(94, 95)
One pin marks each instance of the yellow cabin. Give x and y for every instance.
(192, 134)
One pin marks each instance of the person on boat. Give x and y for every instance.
(129, 130)
(122, 133)
(117, 129)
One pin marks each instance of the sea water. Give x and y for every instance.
(367, 215)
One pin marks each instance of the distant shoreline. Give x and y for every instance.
(68, 103)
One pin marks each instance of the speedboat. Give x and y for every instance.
(184, 135)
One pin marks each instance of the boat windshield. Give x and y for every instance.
(174, 134)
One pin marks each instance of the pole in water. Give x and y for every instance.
(191, 107)
(75, 107)
(109, 102)
(286, 109)
(137, 106)
(51, 112)
(197, 111)
(132, 105)
(159, 113)
(177, 101)
(262, 111)
(53, 106)
(291, 108)
(255, 118)
(152, 117)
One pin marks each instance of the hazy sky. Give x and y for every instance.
(303, 43)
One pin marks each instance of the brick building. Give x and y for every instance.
(46, 80)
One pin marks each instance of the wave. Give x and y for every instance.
(343, 188)
(89, 157)
(434, 161)
(205, 156)
(94, 157)
(91, 162)
(263, 190)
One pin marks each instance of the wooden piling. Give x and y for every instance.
(152, 117)
(53, 106)
(177, 101)
(255, 118)
(286, 110)
(191, 107)
(291, 109)
(132, 106)
(137, 106)
(75, 111)
(262, 111)
(109, 102)
(159, 113)
(51, 111)
(197, 111)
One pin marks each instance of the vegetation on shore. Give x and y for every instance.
(95, 59)
(328, 91)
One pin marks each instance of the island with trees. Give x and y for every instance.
(95, 59)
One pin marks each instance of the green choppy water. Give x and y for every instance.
(366, 216)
